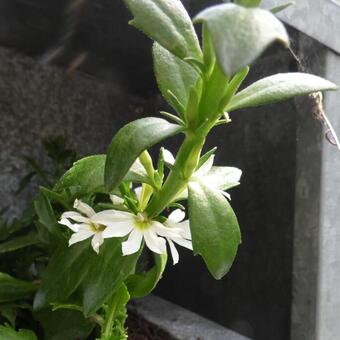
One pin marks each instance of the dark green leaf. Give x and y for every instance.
(173, 74)
(142, 284)
(106, 272)
(130, 142)
(248, 3)
(64, 324)
(279, 87)
(19, 242)
(168, 23)
(87, 174)
(239, 35)
(7, 333)
(66, 270)
(12, 289)
(214, 228)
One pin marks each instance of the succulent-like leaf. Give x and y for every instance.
(19, 242)
(173, 74)
(248, 3)
(279, 87)
(130, 142)
(214, 228)
(240, 34)
(168, 23)
(8, 333)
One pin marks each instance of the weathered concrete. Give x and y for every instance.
(42, 101)
(180, 323)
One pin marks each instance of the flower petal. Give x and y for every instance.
(116, 200)
(175, 217)
(73, 226)
(168, 157)
(108, 217)
(154, 243)
(75, 216)
(133, 243)
(205, 168)
(118, 229)
(83, 208)
(185, 227)
(138, 192)
(161, 230)
(225, 194)
(182, 242)
(80, 236)
(97, 241)
(174, 252)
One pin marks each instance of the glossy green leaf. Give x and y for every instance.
(168, 23)
(87, 174)
(173, 74)
(66, 270)
(12, 289)
(214, 228)
(130, 142)
(240, 34)
(64, 324)
(7, 333)
(248, 3)
(142, 284)
(106, 272)
(279, 87)
(19, 242)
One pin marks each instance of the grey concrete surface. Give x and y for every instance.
(180, 323)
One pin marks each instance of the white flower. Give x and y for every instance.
(154, 233)
(216, 177)
(86, 226)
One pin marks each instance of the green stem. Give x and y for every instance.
(186, 162)
(110, 316)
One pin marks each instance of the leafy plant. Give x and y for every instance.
(114, 208)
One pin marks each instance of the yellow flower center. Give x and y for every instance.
(141, 222)
(97, 227)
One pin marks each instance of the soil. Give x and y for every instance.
(139, 329)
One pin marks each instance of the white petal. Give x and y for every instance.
(154, 243)
(176, 217)
(161, 230)
(225, 194)
(83, 208)
(168, 157)
(75, 216)
(185, 227)
(116, 200)
(138, 167)
(138, 192)
(107, 217)
(118, 229)
(97, 241)
(80, 236)
(205, 168)
(73, 226)
(182, 242)
(174, 252)
(133, 243)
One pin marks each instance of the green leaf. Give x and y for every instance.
(282, 7)
(64, 324)
(214, 228)
(12, 289)
(19, 242)
(106, 272)
(279, 87)
(168, 23)
(130, 142)
(7, 333)
(248, 3)
(173, 74)
(142, 284)
(66, 270)
(48, 219)
(87, 174)
(239, 35)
